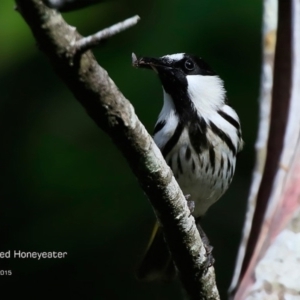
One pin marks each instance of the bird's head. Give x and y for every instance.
(187, 79)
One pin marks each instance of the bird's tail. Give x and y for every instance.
(157, 264)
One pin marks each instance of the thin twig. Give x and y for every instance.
(93, 40)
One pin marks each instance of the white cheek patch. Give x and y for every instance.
(206, 92)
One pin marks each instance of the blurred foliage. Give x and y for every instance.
(65, 186)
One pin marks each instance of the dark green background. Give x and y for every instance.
(65, 187)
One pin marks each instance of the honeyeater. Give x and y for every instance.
(199, 135)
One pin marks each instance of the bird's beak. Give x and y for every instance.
(148, 63)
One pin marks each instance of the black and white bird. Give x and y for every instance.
(199, 135)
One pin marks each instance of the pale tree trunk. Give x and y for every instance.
(268, 264)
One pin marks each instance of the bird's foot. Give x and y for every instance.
(209, 258)
(190, 203)
(208, 247)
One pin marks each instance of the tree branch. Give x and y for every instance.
(93, 40)
(114, 114)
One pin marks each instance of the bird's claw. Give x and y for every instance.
(208, 248)
(209, 262)
(190, 203)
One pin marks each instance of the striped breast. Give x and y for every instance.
(202, 154)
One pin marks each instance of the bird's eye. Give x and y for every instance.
(189, 65)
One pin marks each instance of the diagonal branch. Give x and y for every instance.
(114, 114)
